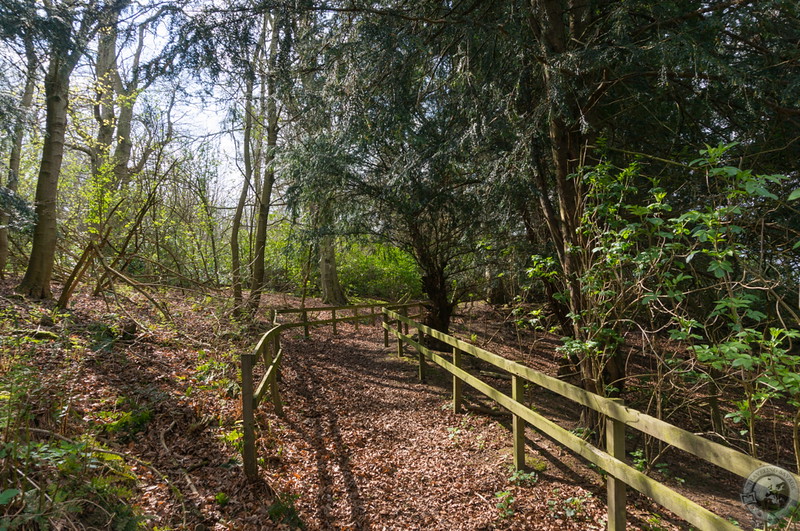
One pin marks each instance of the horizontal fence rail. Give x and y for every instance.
(353, 310)
(618, 417)
(269, 350)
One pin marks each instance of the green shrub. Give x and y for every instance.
(379, 271)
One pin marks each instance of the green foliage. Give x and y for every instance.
(379, 271)
(533, 319)
(222, 499)
(44, 481)
(639, 461)
(454, 432)
(569, 508)
(234, 437)
(124, 425)
(505, 504)
(691, 272)
(285, 255)
(574, 505)
(21, 214)
(216, 374)
(522, 478)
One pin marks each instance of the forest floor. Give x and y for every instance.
(150, 411)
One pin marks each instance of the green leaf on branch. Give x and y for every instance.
(720, 267)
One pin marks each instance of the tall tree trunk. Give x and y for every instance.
(106, 82)
(264, 198)
(15, 156)
(557, 27)
(236, 263)
(39, 273)
(208, 213)
(127, 94)
(252, 160)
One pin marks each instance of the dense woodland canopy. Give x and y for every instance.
(608, 169)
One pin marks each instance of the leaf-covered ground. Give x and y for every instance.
(148, 413)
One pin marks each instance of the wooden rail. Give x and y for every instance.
(372, 314)
(618, 417)
(269, 350)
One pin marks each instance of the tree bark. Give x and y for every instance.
(434, 284)
(39, 273)
(558, 26)
(332, 292)
(106, 83)
(236, 224)
(15, 156)
(264, 198)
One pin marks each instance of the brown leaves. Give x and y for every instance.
(381, 450)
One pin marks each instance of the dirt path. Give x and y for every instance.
(364, 445)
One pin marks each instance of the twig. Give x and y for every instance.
(481, 496)
(180, 468)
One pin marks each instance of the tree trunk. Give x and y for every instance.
(332, 292)
(249, 154)
(107, 80)
(39, 273)
(127, 93)
(440, 311)
(556, 28)
(258, 279)
(236, 264)
(122, 152)
(16, 146)
(264, 198)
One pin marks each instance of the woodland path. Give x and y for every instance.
(365, 445)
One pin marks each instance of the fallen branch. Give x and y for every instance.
(138, 287)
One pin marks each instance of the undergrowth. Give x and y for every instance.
(48, 480)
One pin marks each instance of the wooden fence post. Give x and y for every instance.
(385, 321)
(304, 316)
(333, 316)
(399, 339)
(248, 419)
(276, 397)
(372, 314)
(421, 357)
(615, 446)
(276, 347)
(401, 325)
(355, 315)
(457, 384)
(518, 424)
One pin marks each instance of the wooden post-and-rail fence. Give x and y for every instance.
(618, 418)
(269, 351)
